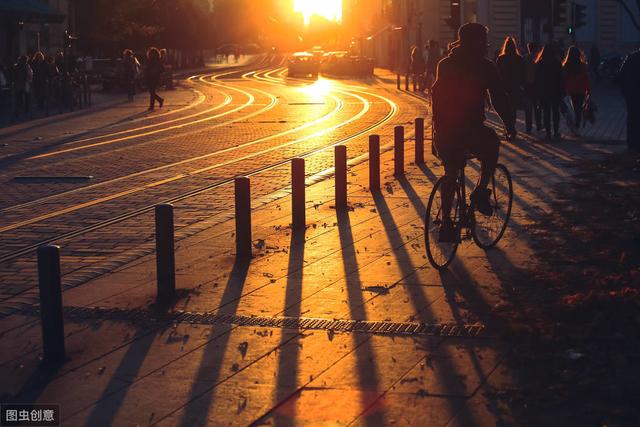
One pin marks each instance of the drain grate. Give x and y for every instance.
(306, 323)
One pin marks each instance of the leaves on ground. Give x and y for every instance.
(579, 358)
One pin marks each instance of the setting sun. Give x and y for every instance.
(330, 9)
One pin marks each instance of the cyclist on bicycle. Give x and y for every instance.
(459, 96)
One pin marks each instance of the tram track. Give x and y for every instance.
(339, 106)
(182, 162)
(199, 101)
(102, 224)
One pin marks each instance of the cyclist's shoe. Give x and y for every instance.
(447, 234)
(480, 200)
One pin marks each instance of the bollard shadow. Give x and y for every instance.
(37, 382)
(287, 373)
(200, 396)
(428, 173)
(422, 311)
(369, 383)
(114, 394)
(413, 196)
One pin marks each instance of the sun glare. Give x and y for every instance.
(330, 9)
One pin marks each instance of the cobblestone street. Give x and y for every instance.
(342, 323)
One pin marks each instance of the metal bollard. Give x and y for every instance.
(165, 253)
(243, 217)
(298, 219)
(341, 176)
(398, 151)
(419, 141)
(398, 81)
(406, 82)
(374, 163)
(51, 304)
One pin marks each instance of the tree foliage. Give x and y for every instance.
(108, 26)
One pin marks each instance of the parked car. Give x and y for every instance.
(108, 72)
(343, 64)
(303, 64)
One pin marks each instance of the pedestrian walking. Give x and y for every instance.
(550, 88)
(511, 68)
(630, 86)
(417, 65)
(22, 81)
(576, 81)
(40, 79)
(532, 103)
(433, 57)
(53, 85)
(153, 76)
(131, 70)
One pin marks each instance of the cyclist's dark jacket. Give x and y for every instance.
(460, 90)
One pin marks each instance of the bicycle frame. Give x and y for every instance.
(466, 210)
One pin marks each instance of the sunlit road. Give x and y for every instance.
(342, 323)
(90, 183)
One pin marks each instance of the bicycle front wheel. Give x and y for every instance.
(488, 230)
(440, 254)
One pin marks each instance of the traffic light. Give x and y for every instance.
(559, 12)
(579, 15)
(454, 18)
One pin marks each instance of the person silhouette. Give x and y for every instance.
(462, 81)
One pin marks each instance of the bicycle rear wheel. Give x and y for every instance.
(440, 254)
(488, 230)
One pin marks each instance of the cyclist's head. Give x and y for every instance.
(474, 36)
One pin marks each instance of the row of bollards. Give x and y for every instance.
(50, 285)
(406, 82)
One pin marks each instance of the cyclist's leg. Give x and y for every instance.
(486, 146)
(446, 193)
(451, 152)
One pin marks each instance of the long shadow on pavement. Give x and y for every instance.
(196, 407)
(105, 410)
(37, 383)
(368, 376)
(288, 359)
(419, 302)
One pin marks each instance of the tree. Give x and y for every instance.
(108, 26)
(627, 5)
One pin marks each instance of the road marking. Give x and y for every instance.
(227, 101)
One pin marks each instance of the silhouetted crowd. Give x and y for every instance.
(40, 83)
(548, 84)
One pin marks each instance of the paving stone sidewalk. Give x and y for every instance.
(127, 366)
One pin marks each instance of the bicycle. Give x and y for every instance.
(486, 231)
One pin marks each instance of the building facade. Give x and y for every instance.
(387, 29)
(31, 25)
